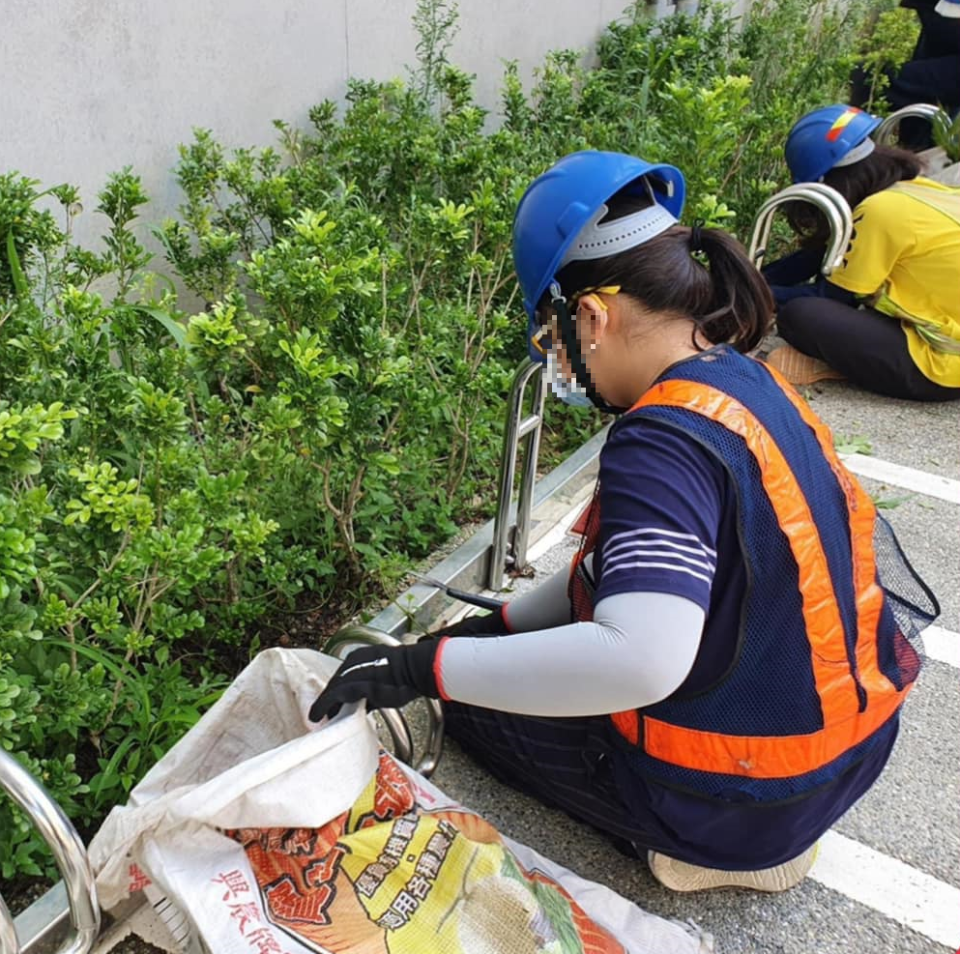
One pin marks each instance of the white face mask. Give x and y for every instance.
(567, 389)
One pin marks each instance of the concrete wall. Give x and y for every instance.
(92, 85)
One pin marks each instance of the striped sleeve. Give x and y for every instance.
(656, 548)
(661, 500)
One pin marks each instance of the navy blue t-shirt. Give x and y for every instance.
(669, 524)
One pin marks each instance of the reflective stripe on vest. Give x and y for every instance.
(844, 726)
(862, 515)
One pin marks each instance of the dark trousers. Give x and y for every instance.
(572, 764)
(563, 763)
(931, 75)
(936, 81)
(868, 348)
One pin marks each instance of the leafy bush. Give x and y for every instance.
(168, 481)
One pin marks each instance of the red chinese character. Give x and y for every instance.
(324, 870)
(235, 882)
(394, 794)
(244, 914)
(288, 904)
(138, 879)
(300, 841)
(263, 940)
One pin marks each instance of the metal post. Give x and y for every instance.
(8, 933)
(530, 430)
(68, 852)
(511, 549)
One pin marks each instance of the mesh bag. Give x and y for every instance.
(912, 602)
(909, 600)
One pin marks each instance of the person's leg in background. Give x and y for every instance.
(931, 75)
(867, 348)
(935, 81)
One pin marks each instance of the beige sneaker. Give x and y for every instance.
(679, 876)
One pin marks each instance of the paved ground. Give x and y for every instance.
(899, 848)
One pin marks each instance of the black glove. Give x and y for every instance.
(493, 624)
(386, 676)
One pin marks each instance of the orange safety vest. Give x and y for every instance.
(818, 634)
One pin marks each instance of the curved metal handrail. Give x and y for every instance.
(885, 133)
(350, 636)
(514, 431)
(833, 205)
(8, 933)
(68, 852)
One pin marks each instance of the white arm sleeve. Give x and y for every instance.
(638, 650)
(548, 605)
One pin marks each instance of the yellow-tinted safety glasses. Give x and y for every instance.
(545, 338)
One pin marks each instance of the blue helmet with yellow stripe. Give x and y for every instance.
(826, 138)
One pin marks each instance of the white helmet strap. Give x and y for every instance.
(601, 241)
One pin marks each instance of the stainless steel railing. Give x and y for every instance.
(886, 132)
(833, 205)
(68, 852)
(353, 635)
(510, 540)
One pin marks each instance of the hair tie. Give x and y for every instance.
(696, 236)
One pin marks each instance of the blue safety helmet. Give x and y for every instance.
(563, 201)
(828, 137)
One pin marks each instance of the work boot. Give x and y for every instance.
(680, 876)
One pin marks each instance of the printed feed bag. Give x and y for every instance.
(272, 838)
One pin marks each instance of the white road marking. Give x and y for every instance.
(930, 485)
(942, 645)
(894, 889)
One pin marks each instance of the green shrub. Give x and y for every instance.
(332, 410)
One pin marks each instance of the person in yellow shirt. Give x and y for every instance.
(888, 319)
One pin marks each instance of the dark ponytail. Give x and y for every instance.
(741, 307)
(725, 295)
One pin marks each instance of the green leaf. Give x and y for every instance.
(108, 776)
(854, 444)
(19, 279)
(28, 466)
(891, 503)
(170, 324)
(122, 671)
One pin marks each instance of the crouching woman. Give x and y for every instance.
(719, 676)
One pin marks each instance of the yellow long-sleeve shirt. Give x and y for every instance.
(904, 257)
